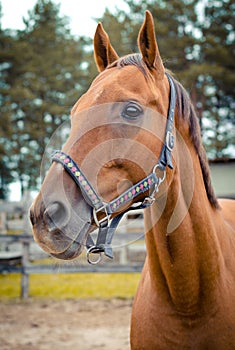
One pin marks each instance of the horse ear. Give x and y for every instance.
(103, 51)
(148, 45)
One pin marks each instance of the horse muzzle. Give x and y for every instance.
(59, 228)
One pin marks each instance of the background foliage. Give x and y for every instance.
(44, 70)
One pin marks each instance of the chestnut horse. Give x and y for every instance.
(186, 295)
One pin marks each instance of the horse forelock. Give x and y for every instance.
(131, 60)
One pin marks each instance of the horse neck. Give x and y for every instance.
(182, 249)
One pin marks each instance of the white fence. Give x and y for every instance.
(19, 252)
(128, 258)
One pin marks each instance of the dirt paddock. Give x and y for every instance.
(65, 324)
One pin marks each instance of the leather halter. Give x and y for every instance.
(106, 225)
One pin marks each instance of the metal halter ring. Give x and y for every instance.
(160, 179)
(93, 250)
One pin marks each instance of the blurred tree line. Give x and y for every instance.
(44, 69)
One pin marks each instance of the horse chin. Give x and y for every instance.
(72, 252)
(63, 243)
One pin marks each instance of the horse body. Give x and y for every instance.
(186, 295)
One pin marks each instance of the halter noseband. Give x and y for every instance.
(107, 226)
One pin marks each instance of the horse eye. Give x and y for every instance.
(132, 111)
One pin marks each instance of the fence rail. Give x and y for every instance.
(20, 261)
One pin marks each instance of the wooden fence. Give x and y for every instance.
(129, 258)
(19, 253)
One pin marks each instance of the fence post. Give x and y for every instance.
(25, 275)
(123, 255)
(27, 200)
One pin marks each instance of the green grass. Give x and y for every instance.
(68, 286)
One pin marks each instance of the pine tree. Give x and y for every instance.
(6, 59)
(218, 51)
(46, 78)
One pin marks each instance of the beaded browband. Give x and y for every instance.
(105, 210)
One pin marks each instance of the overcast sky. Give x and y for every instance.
(79, 12)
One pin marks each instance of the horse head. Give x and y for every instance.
(118, 130)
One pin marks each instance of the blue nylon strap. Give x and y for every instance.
(166, 155)
(141, 187)
(106, 233)
(89, 192)
(79, 178)
(105, 236)
(105, 230)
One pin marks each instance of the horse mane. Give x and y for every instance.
(187, 112)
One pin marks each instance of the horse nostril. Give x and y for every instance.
(56, 216)
(32, 217)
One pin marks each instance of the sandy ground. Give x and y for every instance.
(66, 324)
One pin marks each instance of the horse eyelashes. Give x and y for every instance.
(132, 111)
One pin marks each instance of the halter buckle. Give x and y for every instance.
(106, 218)
(170, 141)
(148, 201)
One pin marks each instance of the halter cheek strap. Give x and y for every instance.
(103, 211)
(166, 156)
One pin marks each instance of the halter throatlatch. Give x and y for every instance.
(103, 211)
